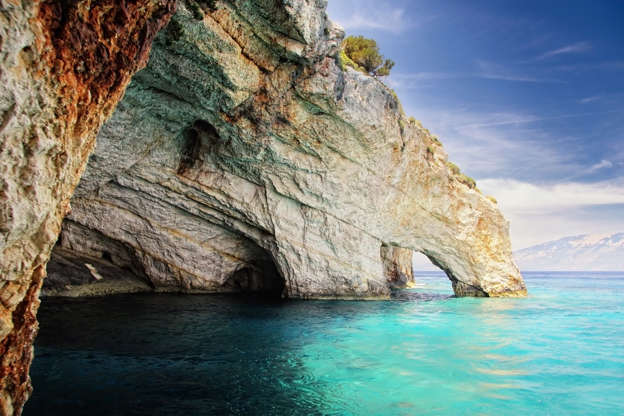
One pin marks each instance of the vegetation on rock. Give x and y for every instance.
(465, 179)
(453, 167)
(363, 55)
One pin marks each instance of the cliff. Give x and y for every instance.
(63, 68)
(242, 158)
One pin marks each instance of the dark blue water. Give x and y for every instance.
(558, 352)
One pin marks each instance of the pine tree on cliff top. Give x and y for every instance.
(363, 54)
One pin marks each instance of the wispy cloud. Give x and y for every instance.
(577, 47)
(498, 144)
(590, 99)
(372, 15)
(591, 66)
(485, 70)
(603, 164)
(417, 79)
(490, 70)
(392, 21)
(511, 119)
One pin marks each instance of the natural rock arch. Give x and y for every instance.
(398, 270)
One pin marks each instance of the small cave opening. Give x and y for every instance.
(259, 277)
(413, 275)
(198, 138)
(428, 267)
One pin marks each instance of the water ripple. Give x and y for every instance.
(559, 351)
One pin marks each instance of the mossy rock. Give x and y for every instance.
(453, 167)
(467, 180)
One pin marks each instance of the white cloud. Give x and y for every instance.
(600, 165)
(540, 213)
(573, 48)
(391, 21)
(530, 198)
(590, 99)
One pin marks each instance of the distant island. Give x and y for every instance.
(590, 252)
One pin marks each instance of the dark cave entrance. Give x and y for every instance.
(198, 138)
(259, 277)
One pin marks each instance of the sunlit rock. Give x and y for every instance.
(243, 141)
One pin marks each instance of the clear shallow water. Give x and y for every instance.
(560, 351)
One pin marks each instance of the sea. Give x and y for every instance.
(560, 351)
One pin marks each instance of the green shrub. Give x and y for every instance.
(415, 122)
(197, 7)
(210, 4)
(467, 180)
(345, 61)
(401, 124)
(198, 13)
(491, 198)
(453, 167)
(363, 55)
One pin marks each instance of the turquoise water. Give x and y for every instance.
(558, 352)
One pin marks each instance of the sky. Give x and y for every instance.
(527, 98)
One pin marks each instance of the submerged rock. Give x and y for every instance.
(243, 143)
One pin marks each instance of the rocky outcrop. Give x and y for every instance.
(63, 68)
(244, 158)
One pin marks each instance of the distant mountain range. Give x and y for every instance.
(590, 252)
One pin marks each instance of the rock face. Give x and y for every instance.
(244, 158)
(397, 266)
(63, 68)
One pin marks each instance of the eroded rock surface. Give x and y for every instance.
(63, 67)
(244, 143)
(397, 266)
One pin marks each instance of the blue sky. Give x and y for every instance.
(526, 97)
